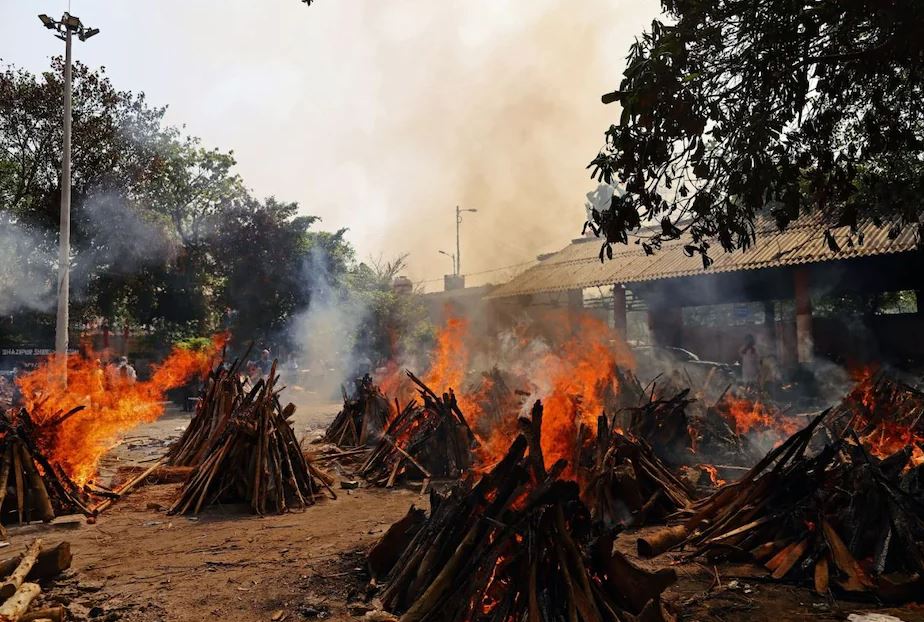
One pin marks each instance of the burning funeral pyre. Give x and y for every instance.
(80, 419)
(428, 440)
(254, 457)
(31, 487)
(363, 418)
(847, 515)
(516, 544)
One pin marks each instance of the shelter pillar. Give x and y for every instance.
(805, 344)
(620, 322)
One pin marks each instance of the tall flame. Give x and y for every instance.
(113, 405)
(565, 359)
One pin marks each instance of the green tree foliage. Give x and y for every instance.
(731, 108)
(165, 234)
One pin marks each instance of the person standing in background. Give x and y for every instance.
(750, 363)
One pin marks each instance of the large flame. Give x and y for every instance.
(567, 360)
(113, 405)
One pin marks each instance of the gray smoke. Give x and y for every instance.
(27, 268)
(324, 333)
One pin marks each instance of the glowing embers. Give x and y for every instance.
(254, 459)
(363, 418)
(516, 544)
(888, 416)
(428, 440)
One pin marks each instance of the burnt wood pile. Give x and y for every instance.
(363, 418)
(425, 440)
(841, 519)
(627, 484)
(254, 459)
(223, 393)
(886, 413)
(517, 544)
(31, 487)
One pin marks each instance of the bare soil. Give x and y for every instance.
(138, 564)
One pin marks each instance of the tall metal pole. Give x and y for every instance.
(64, 244)
(458, 250)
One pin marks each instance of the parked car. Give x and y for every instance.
(654, 361)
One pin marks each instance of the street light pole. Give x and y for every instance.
(453, 258)
(64, 30)
(64, 244)
(458, 249)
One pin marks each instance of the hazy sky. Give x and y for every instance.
(379, 115)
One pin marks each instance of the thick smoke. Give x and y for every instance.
(27, 269)
(323, 334)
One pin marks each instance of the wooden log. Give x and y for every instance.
(18, 603)
(20, 488)
(51, 562)
(124, 490)
(54, 614)
(16, 578)
(821, 576)
(39, 493)
(661, 540)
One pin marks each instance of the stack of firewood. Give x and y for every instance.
(841, 518)
(223, 393)
(255, 459)
(431, 440)
(18, 581)
(627, 484)
(885, 412)
(363, 418)
(515, 545)
(31, 487)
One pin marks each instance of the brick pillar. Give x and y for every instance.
(620, 323)
(805, 344)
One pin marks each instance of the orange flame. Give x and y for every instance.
(745, 415)
(113, 405)
(573, 377)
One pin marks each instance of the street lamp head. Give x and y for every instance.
(71, 21)
(47, 21)
(471, 210)
(86, 34)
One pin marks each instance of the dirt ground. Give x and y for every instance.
(138, 564)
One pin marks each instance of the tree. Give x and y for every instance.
(260, 249)
(735, 108)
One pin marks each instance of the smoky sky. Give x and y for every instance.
(380, 116)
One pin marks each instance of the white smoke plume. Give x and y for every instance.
(324, 333)
(27, 269)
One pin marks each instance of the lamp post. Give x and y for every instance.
(458, 251)
(64, 29)
(453, 258)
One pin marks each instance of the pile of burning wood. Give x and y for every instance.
(251, 454)
(363, 418)
(425, 440)
(31, 487)
(516, 544)
(840, 517)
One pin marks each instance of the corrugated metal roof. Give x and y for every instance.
(578, 265)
